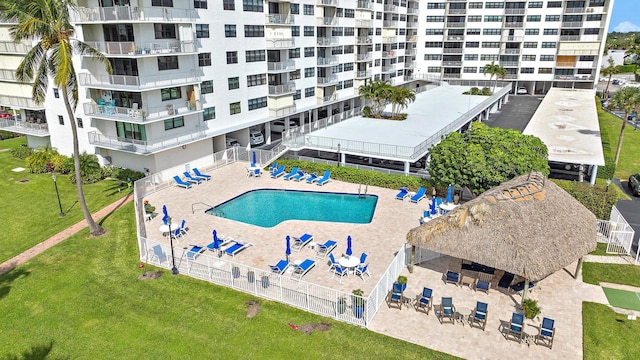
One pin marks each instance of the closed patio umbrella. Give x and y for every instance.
(216, 243)
(288, 249)
(349, 252)
(449, 194)
(433, 207)
(165, 216)
(254, 157)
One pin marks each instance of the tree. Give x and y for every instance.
(609, 71)
(496, 70)
(627, 99)
(483, 157)
(379, 93)
(401, 98)
(52, 57)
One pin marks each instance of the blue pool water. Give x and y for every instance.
(269, 207)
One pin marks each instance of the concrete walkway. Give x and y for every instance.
(59, 237)
(610, 259)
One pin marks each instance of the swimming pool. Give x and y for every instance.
(270, 207)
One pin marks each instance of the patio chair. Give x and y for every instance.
(299, 243)
(547, 330)
(221, 242)
(280, 267)
(183, 228)
(425, 301)
(312, 178)
(301, 176)
(293, 173)
(158, 254)
(202, 178)
(362, 270)
(363, 258)
(333, 263)
(340, 271)
(303, 268)
(193, 253)
(197, 172)
(478, 316)
(325, 179)
(396, 296)
(447, 310)
(322, 250)
(516, 327)
(279, 172)
(182, 183)
(191, 179)
(177, 233)
(451, 277)
(257, 172)
(273, 167)
(483, 282)
(402, 194)
(420, 194)
(236, 247)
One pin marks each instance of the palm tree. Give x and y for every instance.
(379, 93)
(496, 70)
(627, 99)
(609, 71)
(401, 98)
(48, 22)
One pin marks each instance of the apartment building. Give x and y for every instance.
(190, 74)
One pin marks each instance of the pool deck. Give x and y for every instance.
(559, 295)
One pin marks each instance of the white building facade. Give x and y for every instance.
(189, 74)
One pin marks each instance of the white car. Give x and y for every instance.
(232, 142)
(278, 126)
(256, 137)
(522, 91)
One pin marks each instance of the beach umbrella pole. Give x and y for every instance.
(524, 291)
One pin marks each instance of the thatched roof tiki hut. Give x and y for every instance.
(527, 226)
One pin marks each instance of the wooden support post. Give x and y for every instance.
(524, 291)
(578, 268)
(413, 258)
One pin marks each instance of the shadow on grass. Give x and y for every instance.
(123, 201)
(9, 277)
(36, 352)
(117, 187)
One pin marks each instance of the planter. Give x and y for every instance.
(358, 311)
(251, 277)
(265, 281)
(341, 307)
(235, 272)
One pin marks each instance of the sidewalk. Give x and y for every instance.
(59, 237)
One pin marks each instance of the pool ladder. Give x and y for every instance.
(193, 206)
(360, 193)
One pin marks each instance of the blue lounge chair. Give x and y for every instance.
(299, 243)
(279, 172)
(362, 270)
(197, 172)
(425, 302)
(322, 250)
(325, 179)
(545, 336)
(516, 327)
(446, 310)
(479, 315)
(280, 267)
(222, 241)
(396, 296)
(181, 183)
(293, 173)
(312, 178)
(451, 277)
(363, 258)
(420, 194)
(193, 253)
(236, 247)
(303, 268)
(402, 194)
(273, 167)
(183, 228)
(299, 176)
(191, 179)
(340, 271)
(483, 283)
(334, 263)
(201, 178)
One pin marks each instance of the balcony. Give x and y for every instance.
(283, 43)
(281, 66)
(282, 89)
(455, 37)
(514, 11)
(510, 51)
(574, 10)
(24, 127)
(390, 23)
(517, 25)
(391, 8)
(455, 24)
(327, 98)
(327, 61)
(507, 38)
(410, 65)
(363, 23)
(140, 49)
(566, 64)
(10, 47)
(413, 11)
(8, 75)
(139, 83)
(327, 80)
(452, 51)
(452, 63)
(132, 14)
(364, 5)
(411, 38)
(327, 21)
(572, 24)
(142, 146)
(509, 63)
(574, 77)
(363, 74)
(143, 115)
(389, 69)
(364, 40)
(278, 111)
(20, 102)
(389, 39)
(363, 57)
(328, 41)
(389, 54)
(410, 52)
(569, 37)
(279, 19)
(332, 3)
(412, 24)
(451, 76)
(457, 11)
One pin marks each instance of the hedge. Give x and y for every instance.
(595, 198)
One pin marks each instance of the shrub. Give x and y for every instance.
(531, 309)
(630, 68)
(21, 152)
(595, 198)
(366, 111)
(486, 91)
(123, 174)
(40, 160)
(7, 134)
(62, 164)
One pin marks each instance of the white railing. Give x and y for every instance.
(326, 41)
(24, 127)
(330, 21)
(13, 47)
(282, 89)
(327, 80)
(21, 102)
(423, 174)
(363, 57)
(144, 114)
(132, 13)
(327, 2)
(283, 65)
(284, 19)
(363, 23)
(278, 111)
(367, 5)
(329, 60)
(143, 48)
(618, 232)
(145, 146)
(283, 43)
(378, 294)
(363, 74)
(364, 40)
(139, 82)
(8, 75)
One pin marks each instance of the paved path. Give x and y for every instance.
(59, 237)
(609, 259)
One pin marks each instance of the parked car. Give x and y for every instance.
(232, 142)
(634, 184)
(522, 91)
(278, 126)
(5, 114)
(256, 137)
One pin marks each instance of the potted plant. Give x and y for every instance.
(402, 280)
(342, 305)
(531, 308)
(358, 303)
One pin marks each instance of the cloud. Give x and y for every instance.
(626, 26)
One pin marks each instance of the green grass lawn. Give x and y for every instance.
(608, 335)
(594, 273)
(629, 162)
(601, 250)
(81, 299)
(30, 209)
(623, 299)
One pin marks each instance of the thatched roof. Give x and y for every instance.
(527, 226)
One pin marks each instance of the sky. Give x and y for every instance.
(625, 16)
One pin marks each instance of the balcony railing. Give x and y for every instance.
(327, 2)
(569, 37)
(514, 25)
(327, 41)
(572, 24)
(14, 48)
(389, 54)
(452, 63)
(451, 75)
(283, 43)
(327, 80)
(509, 63)
(514, 11)
(389, 39)
(457, 11)
(573, 77)
(574, 10)
(452, 51)
(142, 115)
(143, 48)
(328, 21)
(364, 40)
(413, 11)
(390, 23)
(326, 61)
(280, 19)
(19, 102)
(24, 127)
(145, 147)
(391, 8)
(455, 37)
(281, 66)
(363, 57)
(389, 69)
(132, 14)
(278, 111)
(363, 74)
(282, 89)
(8, 75)
(410, 65)
(455, 24)
(138, 82)
(566, 64)
(364, 5)
(412, 24)
(327, 98)
(410, 52)
(411, 38)
(507, 38)
(363, 23)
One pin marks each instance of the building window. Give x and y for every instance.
(295, 31)
(79, 123)
(594, 17)
(165, 31)
(471, 57)
(535, 4)
(60, 119)
(308, 92)
(470, 69)
(348, 67)
(433, 69)
(592, 31)
(294, 53)
(307, 9)
(474, 18)
(202, 31)
(348, 84)
(427, 32)
(433, 5)
(488, 57)
(200, 4)
(130, 131)
(545, 70)
(229, 31)
(535, 18)
(164, 3)
(491, 31)
(256, 80)
(206, 87)
(167, 63)
(297, 95)
(554, 4)
(309, 52)
(527, 70)
(209, 113)
(309, 72)
(433, 44)
(435, 18)
(295, 9)
(547, 57)
(494, 5)
(530, 44)
(204, 59)
(228, 4)
(490, 44)
(234, 108)
(550, 32)
(254, 55)
(552, 18)
(469, 32)
(253, 5)
(232, 57)
(170, 93)
(234, 83)
(528, 58)
(493, 18)
(257, 103)
(309, 31)
(475, 5)
(294, 75)
(56, 93)
(548, 45)
(254, 31)
(532, 31)
(174, 123)
(472, 44)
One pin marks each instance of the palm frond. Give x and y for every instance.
(85, 49)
